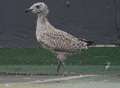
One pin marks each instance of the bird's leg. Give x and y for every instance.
(60, 57)
(60, 65)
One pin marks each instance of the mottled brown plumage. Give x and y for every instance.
(59, 40)
(56, 40)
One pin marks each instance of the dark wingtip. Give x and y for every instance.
(90, 43)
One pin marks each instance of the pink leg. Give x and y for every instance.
(61, 58)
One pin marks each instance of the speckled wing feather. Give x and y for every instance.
(60, 40)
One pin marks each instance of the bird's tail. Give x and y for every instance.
(89, 43)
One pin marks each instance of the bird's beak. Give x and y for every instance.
(28, 10)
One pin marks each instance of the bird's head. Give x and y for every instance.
(39, 8)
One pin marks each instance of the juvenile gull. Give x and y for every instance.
(58, 41)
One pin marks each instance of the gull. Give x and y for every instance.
(54, 39)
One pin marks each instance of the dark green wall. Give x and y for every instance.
(35, 56)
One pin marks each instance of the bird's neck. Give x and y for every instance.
(43, 24)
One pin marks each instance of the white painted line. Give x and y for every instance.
(107, 45)
(61, 79)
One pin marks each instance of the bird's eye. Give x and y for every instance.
(37, 6)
